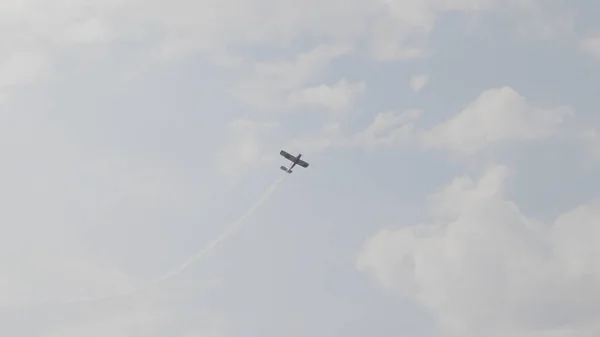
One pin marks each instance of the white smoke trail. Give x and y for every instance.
(231, 229)
(226, 234)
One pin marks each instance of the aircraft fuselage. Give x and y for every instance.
(294, 163)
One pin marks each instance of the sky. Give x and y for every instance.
(452, 189)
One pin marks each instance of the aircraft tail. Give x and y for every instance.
(286, 169)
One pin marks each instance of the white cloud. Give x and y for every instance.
(487, 269)
(249, 144)
(338, 97)
(53, 275)
(330, 136)
(88, 30)
(388, 129)
(210, 333)
(463, 193)
(497, 116)
(210, 25)
(589, 138)
(404, 34)
(391, 40)
(208, 327)
(246, 148)
(129, 322)
(396, 29)
(61, 198)
(36, 31)
(591, 46)
(270, 84)
(543, 20)
(418, 82)
(19, 68)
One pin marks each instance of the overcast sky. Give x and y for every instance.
(454, 150)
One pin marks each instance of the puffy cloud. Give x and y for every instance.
(281, 84)
(394, 29)
(337, 98)
(544, 20)
(329, 136)
(19, 68)
(88, 30)
(483, 268)
(35, 30)
(130, 322)
(246, 147)
(404, 34)
(589, 138)
(418, 82)
(388, 129)
(62, 196)
(591, 46)
(391, 29)
(495, 117)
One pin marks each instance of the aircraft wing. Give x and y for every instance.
(302, 163)
(287, 156)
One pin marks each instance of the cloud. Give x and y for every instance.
(591, 46)
(20, 68)
(128, 322)
(589, 139)
(67, 203)
(329, 136)
(544, 20)
(338, 98)
(392, 29)
(418, 82)
(388, 129)
(59, 275)
(37, 32)
(389, 30)
(88, 30)
(482, 267)
(246, 148)
(210, 333)
(282, 84)
(496, 116)
(404, 34)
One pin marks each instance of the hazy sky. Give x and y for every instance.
(454, 150)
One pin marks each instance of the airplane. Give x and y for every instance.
(294, 160)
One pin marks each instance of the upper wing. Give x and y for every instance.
(302, 163)
(287, 156)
